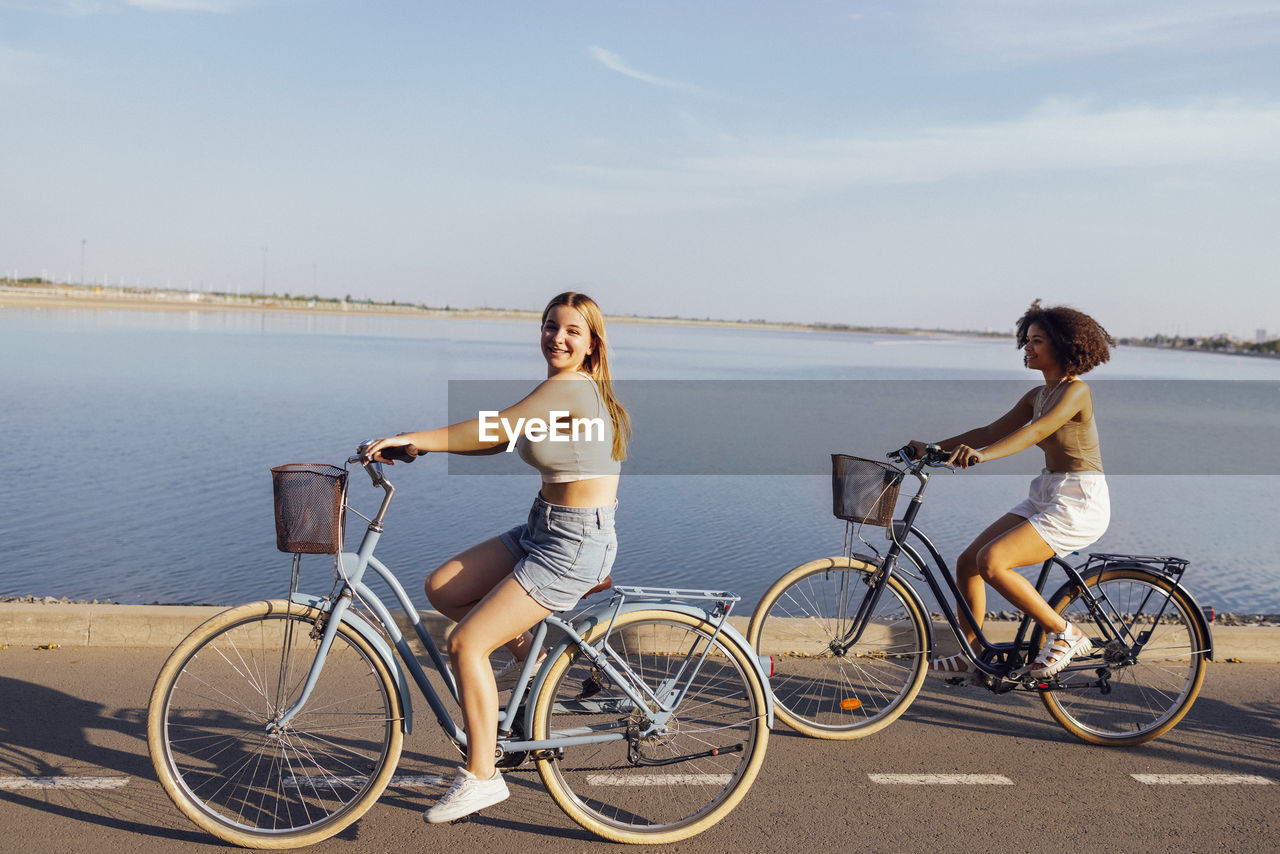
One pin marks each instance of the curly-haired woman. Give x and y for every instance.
(1068, 506)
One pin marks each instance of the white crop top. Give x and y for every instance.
(565, 458)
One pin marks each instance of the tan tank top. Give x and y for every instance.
(587, 456)
(1074, 445)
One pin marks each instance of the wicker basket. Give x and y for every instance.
(310, 503)
(863, 491)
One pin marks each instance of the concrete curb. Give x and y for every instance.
(38, 624)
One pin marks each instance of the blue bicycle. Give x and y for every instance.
(278, 723)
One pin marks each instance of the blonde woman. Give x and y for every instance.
(499, 589)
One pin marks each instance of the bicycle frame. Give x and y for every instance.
(1007, 654)
(353, 568)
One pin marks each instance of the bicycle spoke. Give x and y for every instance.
(245, 781)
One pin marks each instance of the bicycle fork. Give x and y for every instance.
(331, 622)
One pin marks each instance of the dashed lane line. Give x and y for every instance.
(11, 783)
(402, 781)
(941, 779)
(658, 779)
(423, 780)
(1202, 779)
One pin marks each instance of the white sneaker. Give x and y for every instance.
(468, 794)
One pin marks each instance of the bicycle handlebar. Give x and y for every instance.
(398, 453)
(934, 457)
(401, 453)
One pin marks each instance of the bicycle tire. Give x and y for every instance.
(598, 787)
(1148, 696)
(824, 694)
(207, 727)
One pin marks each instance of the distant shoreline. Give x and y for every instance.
(129, 299)
(57, 296)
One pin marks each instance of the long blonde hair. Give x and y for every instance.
(597, 364)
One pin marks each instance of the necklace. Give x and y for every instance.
(1044, 398)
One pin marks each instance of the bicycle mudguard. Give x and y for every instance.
(1196, 610)
(584, 621)
(380, 646)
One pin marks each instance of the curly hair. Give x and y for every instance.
(1079, 341)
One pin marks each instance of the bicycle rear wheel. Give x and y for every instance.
(820, 688)
(211, 706)
(1153, 673)
(687, 775)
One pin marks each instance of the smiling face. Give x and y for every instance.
(1038, 353)
(566, 339)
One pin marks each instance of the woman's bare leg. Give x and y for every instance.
(973, 589)
(459, 584)
(506, 611)
(998, 560)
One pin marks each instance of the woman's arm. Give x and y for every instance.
(979, 437)
(490, 436)
(1070, 404)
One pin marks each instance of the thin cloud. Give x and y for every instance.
(1039, 30)
(207, 6)
(1057, 137)
(85, 8)
(613, 62)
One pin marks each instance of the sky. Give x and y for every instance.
(920, 163)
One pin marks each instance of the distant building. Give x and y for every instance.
(1261, 336)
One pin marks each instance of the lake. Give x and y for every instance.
(138, 447)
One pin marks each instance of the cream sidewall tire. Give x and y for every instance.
(177, 792)
(914, 683)
(565, 799)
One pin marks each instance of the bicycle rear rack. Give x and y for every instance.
(1170, 567)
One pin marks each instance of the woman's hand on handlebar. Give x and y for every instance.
(915, 450)
(964, 456)
(389, 450)
(921, 454)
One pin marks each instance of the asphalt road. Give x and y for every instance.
(80, 713)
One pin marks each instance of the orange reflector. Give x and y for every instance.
(850, 703)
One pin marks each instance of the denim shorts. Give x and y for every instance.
(562, 552)
(1069, 510)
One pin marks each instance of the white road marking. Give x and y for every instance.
(62, 782)
(410, 780)
(352, 782)
(658, 779)
(1202, 779)
(941, 779)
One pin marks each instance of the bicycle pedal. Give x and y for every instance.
(590, 687)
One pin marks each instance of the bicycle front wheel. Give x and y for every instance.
(822, 687)
(1140, 684)
(667, 783)
(207, 727)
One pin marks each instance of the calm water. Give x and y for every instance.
(138, 449)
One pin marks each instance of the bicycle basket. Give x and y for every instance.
(863, 491)
(310, 500)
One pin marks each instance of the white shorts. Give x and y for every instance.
(1069, 510)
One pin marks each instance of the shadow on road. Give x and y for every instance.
(47, 733)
